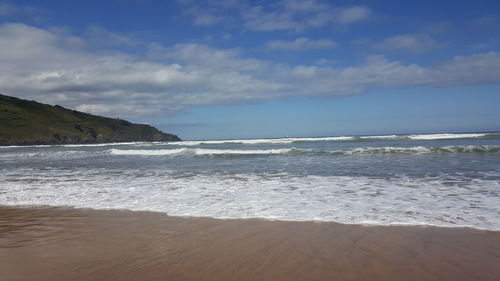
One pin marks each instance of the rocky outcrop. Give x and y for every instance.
(24, 122)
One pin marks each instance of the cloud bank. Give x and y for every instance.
(58, 68)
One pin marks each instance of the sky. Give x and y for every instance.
(224, 69)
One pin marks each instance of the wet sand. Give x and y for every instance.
(73, 244)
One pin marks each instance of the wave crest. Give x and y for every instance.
(354, 151)
(202, 151)
(338, 138)
(445, 136)
(423, 149)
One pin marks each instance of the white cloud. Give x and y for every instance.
(354, 14)
(304, 72)
(259, 19)
(38, 64)
(206, 19)
(291, 15)
(413, 43)
(104, 38)
(203, 17)
(468, 70)
(44, 65)
(304, 5)
(200, 56)
(325, 61)
(301, 43)
(9, 9)
(484, 21)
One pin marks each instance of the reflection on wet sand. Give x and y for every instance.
(71, 244)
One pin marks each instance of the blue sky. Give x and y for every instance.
(243, 69)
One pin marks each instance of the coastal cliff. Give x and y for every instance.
(24, 122)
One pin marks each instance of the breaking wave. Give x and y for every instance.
(262, 141)
(285, 140)
(339, 138)
(249, 152)
(202, 151)
(445, 136)
(423, 149)
(344, 199)
(354, 151)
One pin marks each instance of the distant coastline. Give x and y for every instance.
(24, 122)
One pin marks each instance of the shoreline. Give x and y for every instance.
(317, 221)
(55, 243)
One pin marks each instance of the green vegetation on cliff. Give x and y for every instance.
(24, 122)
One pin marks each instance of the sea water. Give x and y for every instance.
(431, 179)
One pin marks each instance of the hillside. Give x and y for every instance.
(24, 122)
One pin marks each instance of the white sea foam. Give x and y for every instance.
(275, 140)
(46, 154)
(381, 137)
(338, 138)
(77, 145)
(388, 150)
(344, 138)
(345, 199)
(354, 151)
(104, 144)
(429, 136)
(232, 187)
(423, 149)
(147, 151)
(261, 141)
(251, 141)
(151, 152)
(199, 151)
(24, 146)
(444, 136)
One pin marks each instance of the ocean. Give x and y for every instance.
(450, 180)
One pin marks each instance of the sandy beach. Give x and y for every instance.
(75, 244)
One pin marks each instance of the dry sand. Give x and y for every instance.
(71, 244)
